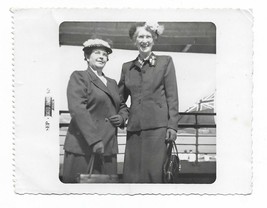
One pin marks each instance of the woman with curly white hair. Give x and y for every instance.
(150, 81)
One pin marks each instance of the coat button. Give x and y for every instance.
(106, 119)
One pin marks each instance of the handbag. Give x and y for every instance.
(96, 178)
(172, 166)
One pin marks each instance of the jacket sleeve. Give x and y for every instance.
(171, 92)
(124, 94)
(77, 103)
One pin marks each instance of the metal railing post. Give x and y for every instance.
(197, 135)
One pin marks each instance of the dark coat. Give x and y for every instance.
(91, 103)
(153, 91)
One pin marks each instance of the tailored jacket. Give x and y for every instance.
(153, 91)
(91, 103)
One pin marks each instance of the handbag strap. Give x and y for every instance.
(91, 165)
(170, 147)
(175, 147)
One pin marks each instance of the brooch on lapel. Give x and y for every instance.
(152, 60)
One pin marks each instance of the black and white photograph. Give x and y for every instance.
(127, 101)
(132, 91)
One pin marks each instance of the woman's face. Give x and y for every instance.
(144, 41)
(98, 59)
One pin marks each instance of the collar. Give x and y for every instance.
(151, 59)
(96, 72)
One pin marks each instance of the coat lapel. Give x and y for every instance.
(107, 89)
(97, 82)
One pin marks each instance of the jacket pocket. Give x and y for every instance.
(160, 103)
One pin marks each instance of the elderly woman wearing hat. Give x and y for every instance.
(96, 112)
(150, 81)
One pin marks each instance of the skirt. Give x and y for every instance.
(75, 164)
(145, 154)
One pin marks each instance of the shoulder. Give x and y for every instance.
(165, 62)
(78, 73)
(79, 76)
(128, 65)
(164, 58)
(129, 62)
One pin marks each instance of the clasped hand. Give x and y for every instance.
(98, 148)
(171, 135)
(116, 120)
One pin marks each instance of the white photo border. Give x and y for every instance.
(37, 70)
